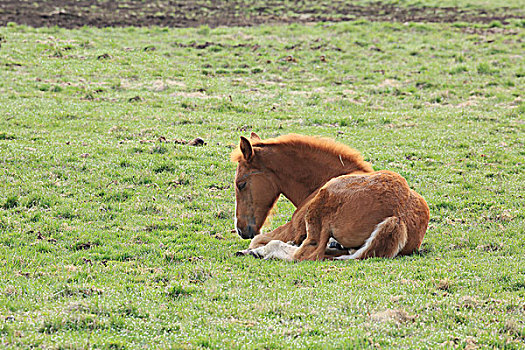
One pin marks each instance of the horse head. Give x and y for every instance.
(255, 189)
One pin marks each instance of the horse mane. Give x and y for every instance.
(312, 144)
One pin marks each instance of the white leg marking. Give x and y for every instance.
(276, 249)
(345, 257)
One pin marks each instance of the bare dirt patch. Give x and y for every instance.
(178, 13)
(392, 315)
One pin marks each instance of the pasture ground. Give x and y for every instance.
(117, 234)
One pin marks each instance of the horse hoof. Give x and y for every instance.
(255, 253)
(251, 252)
(243, 252)
(335, 246)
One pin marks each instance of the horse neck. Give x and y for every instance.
(300, 173)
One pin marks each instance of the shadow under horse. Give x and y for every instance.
(337, 195)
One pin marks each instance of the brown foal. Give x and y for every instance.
(337, 195)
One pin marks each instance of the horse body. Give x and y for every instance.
(373, 212)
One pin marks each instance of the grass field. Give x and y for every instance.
(116, 234)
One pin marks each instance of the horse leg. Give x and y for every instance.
(386, 241)
(335, 249)
(317, 234)
(285, 251)
(275, 250)
(282, 233)
(314, 246)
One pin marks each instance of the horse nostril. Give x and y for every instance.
(251, 231)
(243, 234)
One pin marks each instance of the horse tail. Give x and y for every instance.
(386, 241)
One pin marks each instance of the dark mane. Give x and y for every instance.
(312, 144)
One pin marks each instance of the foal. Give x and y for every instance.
(337, 195)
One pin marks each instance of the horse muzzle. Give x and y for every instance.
(247, 233)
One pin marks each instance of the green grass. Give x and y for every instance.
(111, 238)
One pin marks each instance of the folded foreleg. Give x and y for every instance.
(282, 233)
(275, 250)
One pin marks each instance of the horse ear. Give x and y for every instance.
(246, 148)
(254, 137)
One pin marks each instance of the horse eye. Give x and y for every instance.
(241, 185)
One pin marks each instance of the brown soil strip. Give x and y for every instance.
(192, 13)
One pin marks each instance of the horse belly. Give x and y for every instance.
(353, 224)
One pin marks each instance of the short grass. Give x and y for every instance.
(113, 238)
